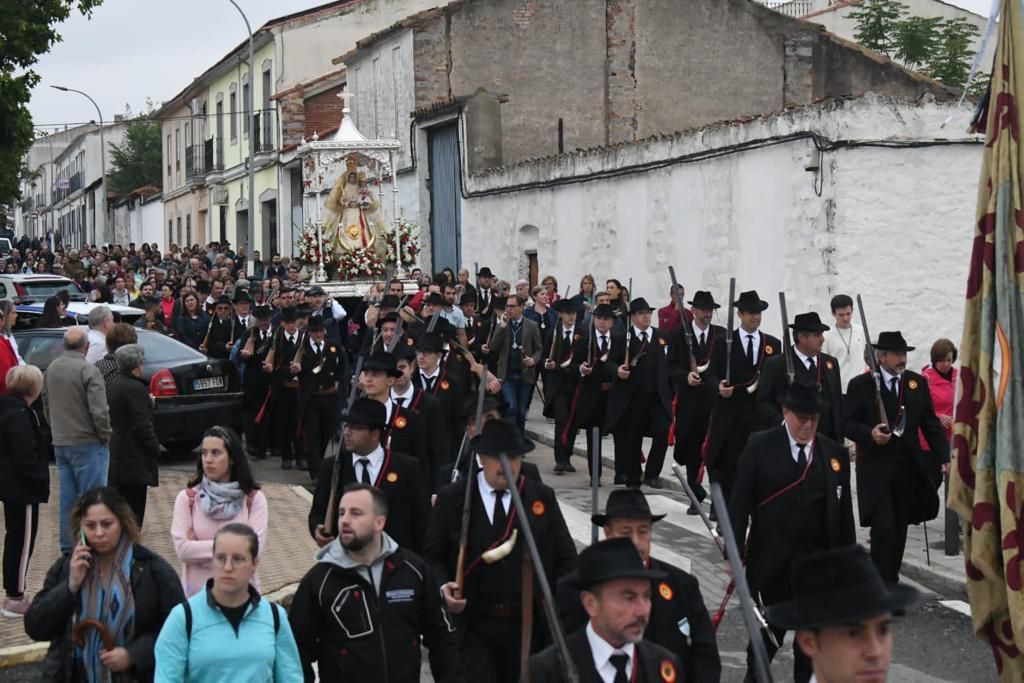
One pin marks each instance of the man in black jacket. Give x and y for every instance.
(592, 360)
(811, 367)
(489, 604)
(284, 424)
(695, 387)
(897, 482)
(365, 460)
(255, 382)
(679, 621)
(640, 403)
(793, 488)
(616, 593)
(322, 375)
(223, 331)
(362, 610)
(561, 378)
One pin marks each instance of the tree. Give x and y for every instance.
(136, 162)
(26, 31)
(917, 41)
(951, 62)
(878, 23)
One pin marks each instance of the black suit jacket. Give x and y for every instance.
(876, 464)
(654, 663)
(679, 621)
(773, 385)
(765, 469)
(332, 372)
(399, 480)
(561, 382)
(407, 433)
(255, 382)
(591, 401)
(690, 400)
(623, 389)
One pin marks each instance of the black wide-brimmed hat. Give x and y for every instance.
(484, 272)
(382, 361)
(750, 302)
(564, 306)
(316, 323)
(491, 402)
(808, 322)
(389, 317)
(433, 299)
(224, 300)
(611, 559)
(389, 301)
(467, 298)
(625, 504)
(604, 311)
(404, 352)
(499, 436)
(430, 342)
(262, 312)
(892, 341)
(366, 412)
(704, 301)
(638, 305)
(316, 290)
(303, 311)
(289, 315)
(804, 399)
(242, 296)
(840, 586)
(499, 303)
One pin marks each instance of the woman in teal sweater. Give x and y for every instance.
(227, 632)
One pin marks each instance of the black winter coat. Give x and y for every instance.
(25, 457)
(156, 590)
(133, 444)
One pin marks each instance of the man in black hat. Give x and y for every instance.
(493, 409)
(811, 367)
(518, 350)
(253, 346)
(323, 374)
(426, 406)
(242, 303)
(476, 326)
(679, 621)
(223, 330)
(615, 590)
(365, 459)
(793, 488)
(696, 387)
(431, 379)
(842, 614)
(560, 381)
(640, 401)
(734, 416)
(284, 427)
(490, 603)
(897, 481)
(485, 295)
(330, 310)
(593, 361)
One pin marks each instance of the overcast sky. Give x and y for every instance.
(134, 49)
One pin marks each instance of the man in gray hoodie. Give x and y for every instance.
(75, 405)
(364, 584)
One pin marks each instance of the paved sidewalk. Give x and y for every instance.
(943, 573)
(286, 558)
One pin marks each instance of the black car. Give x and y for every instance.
(190, 391)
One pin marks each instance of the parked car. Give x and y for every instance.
(77, 313)
(190, 391)
(37, 288)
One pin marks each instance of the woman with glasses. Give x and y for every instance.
(223, 492)
(227, 631)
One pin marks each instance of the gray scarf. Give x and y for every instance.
(220, 500)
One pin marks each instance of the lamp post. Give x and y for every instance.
(103, 160)
(250, 237)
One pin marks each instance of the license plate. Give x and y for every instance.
(207, 383)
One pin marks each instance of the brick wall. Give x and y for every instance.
(323, 111)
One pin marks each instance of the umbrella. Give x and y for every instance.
(987, 480)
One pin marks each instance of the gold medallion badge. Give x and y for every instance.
(401, 422)
(392, 477)
(912, 384)
(836, 466)
(828, 364)
(665, 590)
(667, 671)
(537, 508)
(444, 384)
(768, 350)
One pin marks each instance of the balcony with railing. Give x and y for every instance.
(795, 8)
(266, 132)
(195, 163)
(213, 160)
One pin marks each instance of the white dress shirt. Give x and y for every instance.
(430, 376)
(376, 458)
(887, 379)
(489, 498)
(697, 332)
(406, 396)
(806, 359)
(848, 348)
(794, 447)
(97, 346)
(752, 337)
(649, 332)
(602, 652)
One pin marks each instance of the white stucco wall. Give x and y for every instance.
(894, 225)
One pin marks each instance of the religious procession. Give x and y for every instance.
(446, 377)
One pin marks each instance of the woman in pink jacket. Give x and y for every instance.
(941, 376)
(223, 492)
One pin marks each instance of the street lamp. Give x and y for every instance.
(250, 236)
(103, 160)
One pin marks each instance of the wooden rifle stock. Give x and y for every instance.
(687, 328)
(331, 515)
(876, 372)
(728, 339)
(202, 347)
(467, 502)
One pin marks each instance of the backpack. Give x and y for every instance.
(188, 619)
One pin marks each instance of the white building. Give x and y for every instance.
(138, 217)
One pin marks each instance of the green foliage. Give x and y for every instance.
(940, 48)
(27, 30)
(136, 162)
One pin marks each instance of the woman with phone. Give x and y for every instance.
(222, 492)
(103, 605)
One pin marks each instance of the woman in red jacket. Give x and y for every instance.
(941, 376)
(8, 355)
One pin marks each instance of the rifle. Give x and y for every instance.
(728, 339)
(569, 671)
(787, 343)
(595, 480)
(762, 668)
(628, 322)
(460, 564)
(687, 329)
(398, 327)
(331, 517)
(876, 375)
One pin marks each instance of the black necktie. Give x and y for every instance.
(318, 349)
(619, 661)
(428, 383)
(810, 365)
(500, 518)
(801, 457)
(604, 345)
(643, 337)
(702, 340)
(895, 382)
(568, 339)
(365, 462)
(400, 400)
(750, 348)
